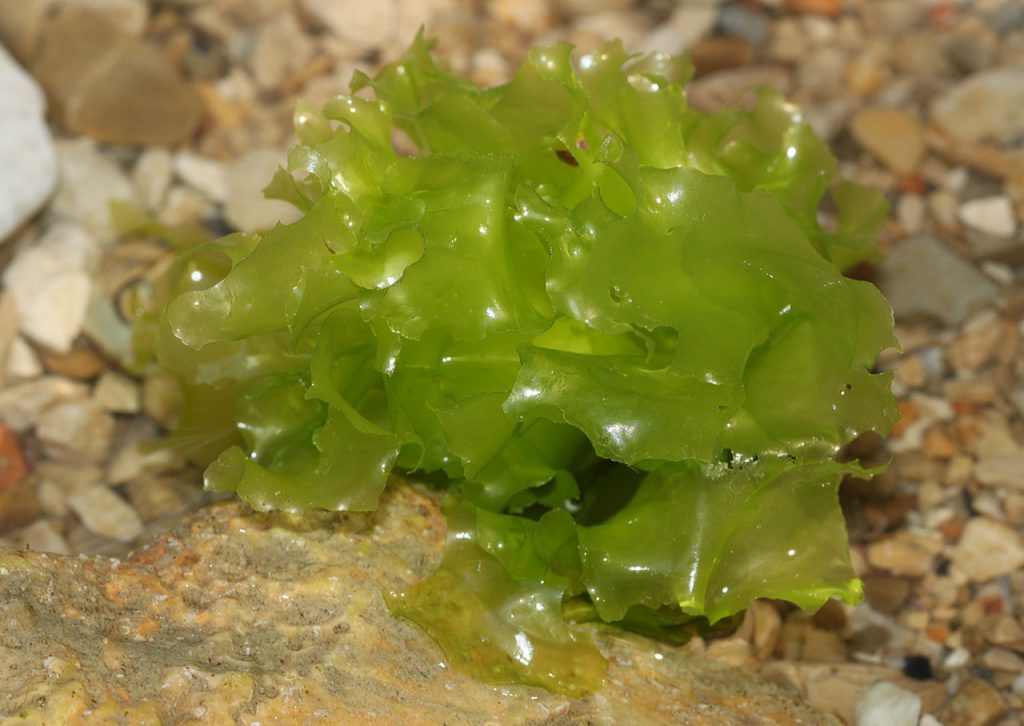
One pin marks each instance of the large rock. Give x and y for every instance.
(111, 86)
(28, 174)
(238, 617)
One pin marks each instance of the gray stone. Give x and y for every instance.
(922, 278)
(987, 105)
(28, 174)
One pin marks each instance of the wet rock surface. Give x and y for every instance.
(237, 617)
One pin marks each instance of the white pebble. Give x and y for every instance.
(989, 215)
(886, 704)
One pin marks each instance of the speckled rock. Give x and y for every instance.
(238, 617)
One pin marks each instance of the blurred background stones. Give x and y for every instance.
(180, 110)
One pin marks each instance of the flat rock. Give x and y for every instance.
(51, 285)
(985, 106)
(987, 550)
(89, 183)
(28, 174)
(993, 216)
(241, 617)
(892, 135)
(366, 25)
(923, 278)
(111, 86)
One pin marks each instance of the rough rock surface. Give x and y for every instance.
(239, 617)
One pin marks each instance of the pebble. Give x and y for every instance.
(993, 216)
(117, 393)
(1002, 659)
(367, 25)
(21, 405)
(985, 106)
(89, 183)
(279, 50)
(132, 461)
(22, 361)
(1003, 469)
(976, 703)
(29, 172)
(987, 550)
(921, 277)
(105, 513)
(904, 553)
(687, 23)
(51, 286)
(202, 174)
(19, 505)
(893, 136)
(247, 208)
(12, 463)
(111, 86)
(886, 704)
(151, 177)
(76, 431)
(41, 536)
(129, 16)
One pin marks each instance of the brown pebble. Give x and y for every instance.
(829, 8)
(12, 462)
(19, 505)
(976, 703)
(81, 363)
(886, 593)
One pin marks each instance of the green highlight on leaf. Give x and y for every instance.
(610, 326)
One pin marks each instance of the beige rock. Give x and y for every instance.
(22, 361)
(976, 703)
(76, 431)
(904, 553)
(892, 135)
(117, 393)
(247, 207)
(202, 174)
(279, 49)
(105, 513)
(41, 536)
(839, 687)
(987, 550)
(151, 177)
(106, 84)
(367, 25)
(22, 405)
(21, 25)
(89, 183)
(530, 16)
(993, 216)
(987, 105)
(129, 16)
(1002, 659)
(243, 617)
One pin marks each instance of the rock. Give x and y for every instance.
(993, 216)
(129, 16)
(828, 8)
(12, 463)
(21, 25)
(51, 285)
(247, 208)
(528, 16)
(117, 393)
(280, 49)
(987, 550)
(904, 553)
(921, 277)
(40, 536)
(988, 105)
(367, 25)
(1001, 469)
(893, 136)
(80, 363)
(132, 461)
(104, 513)
(687, 23)
(29, 172)
(838, 687)
(976, 703)
(76, 431)
(110, 86)
(19, 505)
(89, 183)
(729, 88)
(22, 405)
(1002, 659)
(885, 593)
(247, 617)
(202, 174)
(151, 177)
(885, 704)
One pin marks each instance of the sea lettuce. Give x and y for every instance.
(612, 327)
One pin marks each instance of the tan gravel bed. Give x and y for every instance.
(921, 100)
